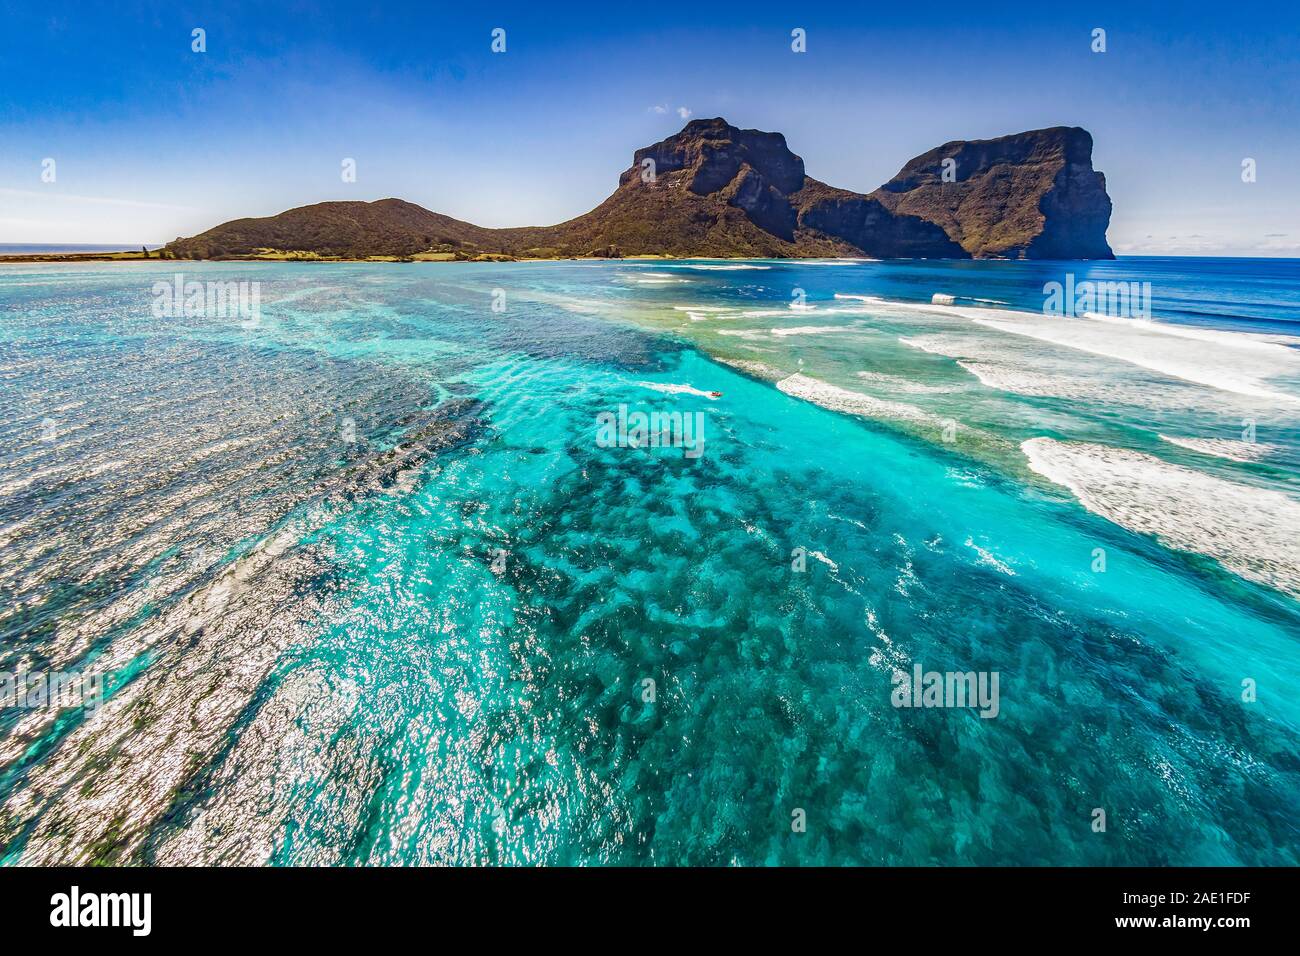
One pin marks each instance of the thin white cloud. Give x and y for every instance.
(683, 112)
(95, 200)
(1279, 244)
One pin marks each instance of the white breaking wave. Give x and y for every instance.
(891, 304)
(818, 329)
(758, 369)
(1009, 378)
(854, 403)
(1232, 449)
(1249, 530)
(945, 345)
(1038, 384)
(1237, 363)
(833, 310)
(1266, 343)
(716, 268)
(1240, 362)
(704, 309)
(791, 307)
(1068, 375)
(964, 346)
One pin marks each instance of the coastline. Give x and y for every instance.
(298, 256)
(56, 257)
(76, 257)
(132, 256)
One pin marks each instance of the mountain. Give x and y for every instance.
(1028, 196)
(388, 227)
(713, 190)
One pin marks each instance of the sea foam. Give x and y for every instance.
(854, 403)
(818, 330)
(1054, 383)
(712, 267)
(1248, 530)
(1229, 448)
(1238, 362)
(751, 367)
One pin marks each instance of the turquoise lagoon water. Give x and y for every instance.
(369, 591)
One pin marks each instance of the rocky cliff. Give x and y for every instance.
(1032, 195)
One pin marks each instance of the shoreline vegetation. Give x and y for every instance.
(281, 255)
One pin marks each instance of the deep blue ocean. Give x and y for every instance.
(366, 586)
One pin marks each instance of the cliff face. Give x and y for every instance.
(716, 190)
(715, 153)
(1032, 195)
(755, 174)
(871, 227)
(749, 170)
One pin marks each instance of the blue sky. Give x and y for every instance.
(152, 140)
